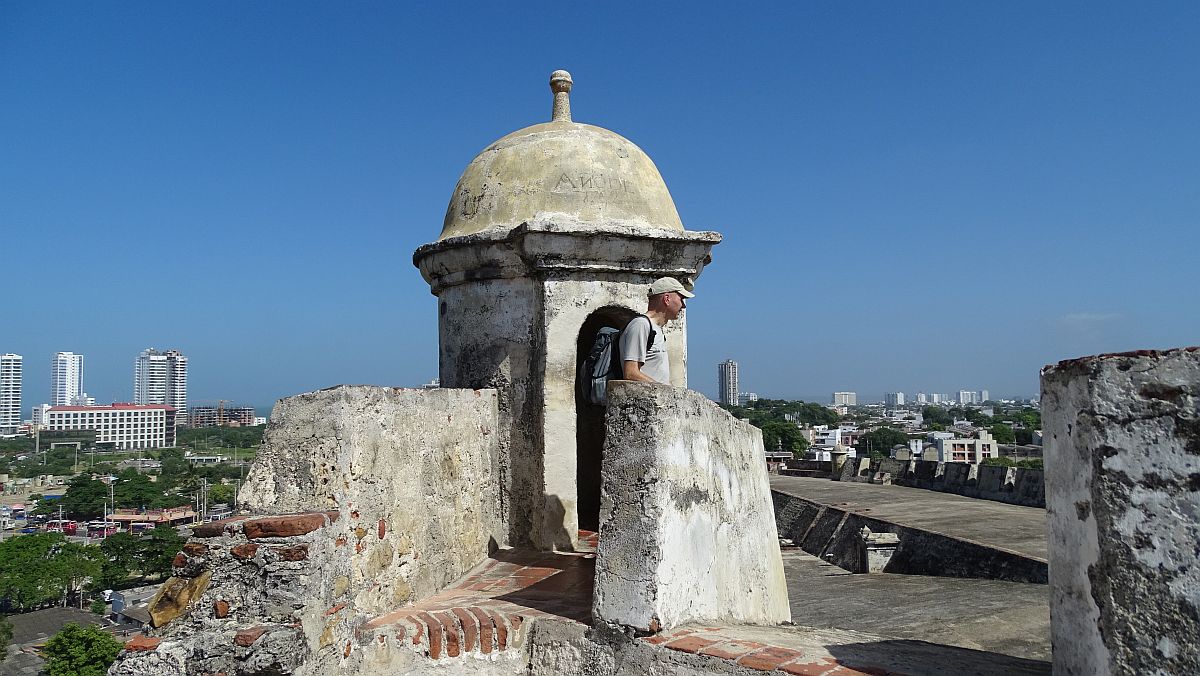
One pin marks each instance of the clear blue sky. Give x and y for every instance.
(914, 196)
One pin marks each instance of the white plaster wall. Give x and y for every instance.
(1122, 453)
(419, 462)
(687, 527)
(567, 305)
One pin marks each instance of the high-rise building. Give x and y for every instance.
(921, 398)
(66, 379)
(983, 396)
(845, 399)
(894, 398)
(161, 378)
(10, 393)
(968, 397)
(727, 382)
(122, 425)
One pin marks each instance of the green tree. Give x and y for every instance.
(121, 556)
(98, 606)
(85, 498)
(1003, 434)
(221, 493)
(936, 415)
(879, 442)
(158, 549)
(24, 576)
(81, 651)
(1031, 463)
(783, 435)
(1023, 437)
(1002, 461)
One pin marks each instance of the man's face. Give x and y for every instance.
(675, 304)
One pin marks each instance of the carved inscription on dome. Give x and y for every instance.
(599, 184)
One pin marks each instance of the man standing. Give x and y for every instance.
(644, 357)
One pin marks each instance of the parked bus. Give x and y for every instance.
(139, 527)
(102, 529)
(62, 526)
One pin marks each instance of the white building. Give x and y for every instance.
(66, 379)
(10, 393)
(124, 426)
(845, 399)
(983, 396)
(935, 398)
(968, 397)
(921, 398)
(747, 397)
(727, 382)
(967, 450)
(894, 398)
(161, 378)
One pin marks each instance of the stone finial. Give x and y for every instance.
(560, 84)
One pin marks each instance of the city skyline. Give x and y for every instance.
(1033, 145)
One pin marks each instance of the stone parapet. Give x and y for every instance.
(1013, 485)
(687, 532)
(1122, 438)
(412, 469)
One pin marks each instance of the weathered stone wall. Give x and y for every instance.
(687, 532)
(1122, 436)
(412, 467)
(1014, 485)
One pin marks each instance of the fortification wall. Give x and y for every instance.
(412, 467)
(686, 528)
(1013, 485)
(1123, 454)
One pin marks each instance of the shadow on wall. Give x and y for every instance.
(589, 418)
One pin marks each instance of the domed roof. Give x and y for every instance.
(560, 170)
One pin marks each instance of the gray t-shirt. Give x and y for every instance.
(633, 348)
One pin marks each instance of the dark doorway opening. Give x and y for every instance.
(589, 419)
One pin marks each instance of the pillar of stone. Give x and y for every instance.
(1122, 454)
(551, 231)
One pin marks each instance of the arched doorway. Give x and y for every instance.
(589, 419)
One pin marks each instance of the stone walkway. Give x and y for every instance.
(490, 610)
(992, 524)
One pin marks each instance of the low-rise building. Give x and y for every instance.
(968, 450)
(124, 426)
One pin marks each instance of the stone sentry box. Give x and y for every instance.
(552, 232)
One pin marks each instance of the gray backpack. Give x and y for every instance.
(604, 363)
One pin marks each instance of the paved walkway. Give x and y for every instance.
(1011, 618)
(994, 524)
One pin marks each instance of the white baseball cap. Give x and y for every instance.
(668, 284)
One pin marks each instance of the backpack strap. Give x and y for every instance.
(650, 339)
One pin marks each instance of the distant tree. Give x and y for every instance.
(84, 499)
(878, 442)
(158, 549)
(81, 651)
(1023, 436)
(1003, 434)
(98, 606)
(221, 493)
(1003, 461)
(1030, 463)
(121, 557)
(784, 435)
(44, 568)
(936, 415)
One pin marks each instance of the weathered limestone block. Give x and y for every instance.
(687, 531)
(1122, 453)
(409, 470)
(176, 594)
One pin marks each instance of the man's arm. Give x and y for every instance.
(632, 370)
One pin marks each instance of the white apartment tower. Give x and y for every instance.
(727, 382)
(845, 399)
(66, 379)
(894, 398)
(161, 378)
(10, 393)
